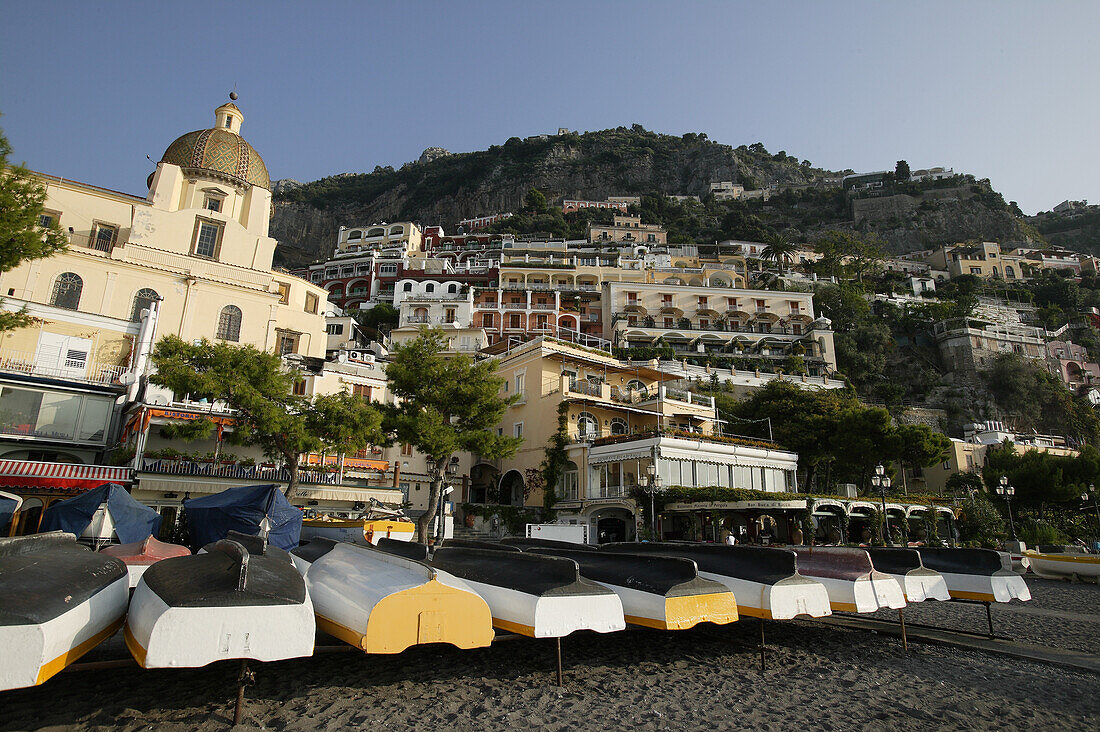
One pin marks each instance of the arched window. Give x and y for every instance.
(452, 289)
(588, 427)
(229, 323)
(142, 300)
(429, 287)
(357, 234)
(407, 287)
(637, 386)
(618, 426)
(66, 291)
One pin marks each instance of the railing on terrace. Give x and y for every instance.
(86, 241)
(166, 466)
(715, 327)
(82, 370)
(743, 440)
(591, 388)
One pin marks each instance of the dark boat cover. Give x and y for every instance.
(315, 548)
(254, 545)
(407, 549)
(7, 510)
(961, 561)
(665, 576)
(530, 573)
(133, 521)
(478, 544)
(752, 563)
(528, 543)
(894, 560)
(228, 575)
(46, 575)
(242, 508)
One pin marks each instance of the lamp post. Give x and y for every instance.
(450, 470)
(881, 482)
(652, 487)
(1005, 491)
(1091, 494)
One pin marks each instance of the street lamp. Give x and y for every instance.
(1095, 505)
(881, 482)
(652, 487)
(450, 470)
(1005, 491)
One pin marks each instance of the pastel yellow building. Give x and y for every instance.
(620, 419)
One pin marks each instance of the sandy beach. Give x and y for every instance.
(707, 678)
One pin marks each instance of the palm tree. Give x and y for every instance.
(778, 250)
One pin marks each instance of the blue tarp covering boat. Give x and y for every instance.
(132, 521)
(242, 508)
(9, 504)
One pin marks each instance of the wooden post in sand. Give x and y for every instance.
(761, 644)
(904, 640)
(559, 661)
(989, 617)
(244, 678)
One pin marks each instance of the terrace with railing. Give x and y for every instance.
(75, 367)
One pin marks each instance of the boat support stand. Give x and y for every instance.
(244, 678)
(761, 644)
(559, 662)
(904, 640)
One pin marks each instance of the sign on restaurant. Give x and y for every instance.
(737, 505)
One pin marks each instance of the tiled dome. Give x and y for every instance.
(219, 150)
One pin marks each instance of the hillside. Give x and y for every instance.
(1077, 229)
(444, 188)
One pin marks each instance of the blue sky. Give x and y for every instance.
(1004, 90)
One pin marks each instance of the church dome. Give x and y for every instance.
(220, 150)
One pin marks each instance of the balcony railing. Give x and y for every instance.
(590, 388)
(72, 370)
(86, 241)
(223, 470)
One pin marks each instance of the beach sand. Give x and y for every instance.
(707, 678)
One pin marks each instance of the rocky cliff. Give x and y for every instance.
(446, 188)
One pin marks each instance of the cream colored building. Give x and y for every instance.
(628, 229)
(620, 419)
(765, 325)
(401, 239)
(197, 243)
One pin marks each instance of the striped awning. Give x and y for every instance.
(33, 474)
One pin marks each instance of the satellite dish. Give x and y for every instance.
(127, 378)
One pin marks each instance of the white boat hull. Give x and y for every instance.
(551, 616)
(382, 603)
(34, 653)
(1001, 587)
(867, 594)
(160, 636)
(651, 610)
(919, 585)
(1064, 566)
(784, 600)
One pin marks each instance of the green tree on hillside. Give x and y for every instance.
(534, 201)
(258, 387)
(445, 405)
(22, 234)
(901, 171)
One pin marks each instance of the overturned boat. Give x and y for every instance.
(666, 593)
(765, 582)
(853, 583)
(9, 510)
(140, 555)
(975, 574)
(103, 516)
(239, 599)
(533, 595)
(358, 531)
(918, 583)
(384, 603)
(247, 509)
(59, 602)
(1060, 562)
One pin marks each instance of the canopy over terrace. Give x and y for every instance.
(39, 484)
(760, 521)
